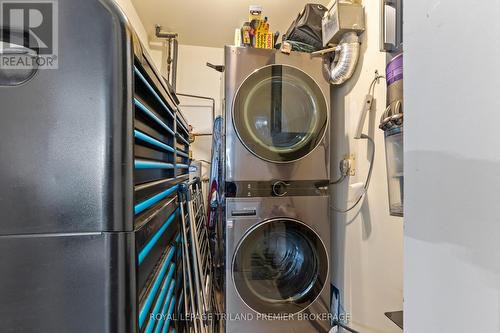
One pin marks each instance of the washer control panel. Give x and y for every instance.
(276, 188)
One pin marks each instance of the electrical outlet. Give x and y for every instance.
(351, 158)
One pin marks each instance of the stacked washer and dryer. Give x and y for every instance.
(277, 172)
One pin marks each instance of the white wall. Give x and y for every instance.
(452, 166)
(368, 243)
(195, 78)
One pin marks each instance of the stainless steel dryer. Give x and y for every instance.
(277, 266)
(277, 116)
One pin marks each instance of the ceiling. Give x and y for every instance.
(212, 22)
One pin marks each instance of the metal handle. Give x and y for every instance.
(397, 5)
(240, 213)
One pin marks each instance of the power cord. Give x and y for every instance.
(367, 182)
(344, 164)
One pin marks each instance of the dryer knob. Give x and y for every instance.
(280, 188)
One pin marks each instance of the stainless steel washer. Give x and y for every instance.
(277, 116)
(277, 264)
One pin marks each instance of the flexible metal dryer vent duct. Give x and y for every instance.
(343, 66)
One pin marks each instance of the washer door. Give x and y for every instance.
(280, 114)
(280, 267)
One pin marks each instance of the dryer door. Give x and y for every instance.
(280, 114)
(280, 267)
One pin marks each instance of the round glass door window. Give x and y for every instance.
(280, 114)
(280, 267)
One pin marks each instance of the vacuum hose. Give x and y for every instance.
(348, 54)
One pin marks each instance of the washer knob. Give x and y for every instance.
(279, 188)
